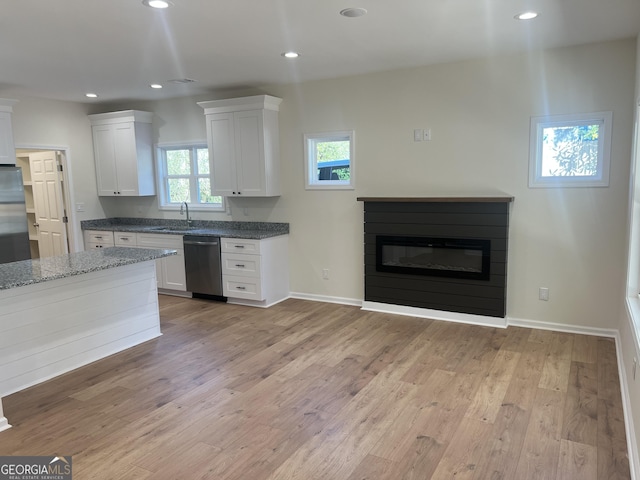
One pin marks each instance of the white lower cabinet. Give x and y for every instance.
(98, 239)
(170, 271)
(125, 239)
(255, 272)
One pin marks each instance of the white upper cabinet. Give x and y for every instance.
(7, 148)
(244, 145)
(123, 149)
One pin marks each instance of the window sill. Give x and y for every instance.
(330, 186)
(192, 208)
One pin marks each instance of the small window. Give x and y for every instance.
(329, 160)
(570, 150)
(183, 176)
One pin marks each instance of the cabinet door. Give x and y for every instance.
(105, 156)
(174, 275)
(250, 164)
(7, 149)
(126, 161)
(222, 154)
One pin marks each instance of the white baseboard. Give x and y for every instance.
(4, 423)
(634, 460)
(254, 303)
(435, 314)
(561, 327)
(326, 299)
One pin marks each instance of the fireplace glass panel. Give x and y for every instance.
(461, 258)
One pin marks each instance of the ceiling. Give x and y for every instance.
(116, 48)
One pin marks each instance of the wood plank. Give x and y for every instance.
(577, 461)
(555, 372)
(488, 399)
(465, 451)
(580, 422)
(539, 455)
(585, 349)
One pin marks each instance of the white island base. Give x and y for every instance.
(52, 327)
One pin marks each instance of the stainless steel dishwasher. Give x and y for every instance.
(203, 265)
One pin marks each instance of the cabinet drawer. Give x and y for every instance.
(240, 245)
(241, 265)
(98, 236)
(125, 239)
(242, 287)
(92, 246)
(157, 240)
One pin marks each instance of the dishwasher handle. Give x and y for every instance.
(189, 242)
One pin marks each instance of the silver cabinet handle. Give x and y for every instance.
(239, 246)
(239, 266)
(241, 288)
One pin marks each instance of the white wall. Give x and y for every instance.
(570, 240)
(47, 123)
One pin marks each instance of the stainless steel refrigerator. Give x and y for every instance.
(14, 234)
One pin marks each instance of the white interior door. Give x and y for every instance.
(49, 207)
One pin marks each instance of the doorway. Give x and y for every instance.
(47, 196)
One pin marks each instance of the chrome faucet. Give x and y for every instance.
(183, 207)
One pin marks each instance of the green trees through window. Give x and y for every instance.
(186, 178)
(570, 150)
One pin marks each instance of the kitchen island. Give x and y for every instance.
(60, 313)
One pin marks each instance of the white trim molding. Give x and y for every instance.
(4, 423)
(483, 320)
(561, 327)
(326, 299)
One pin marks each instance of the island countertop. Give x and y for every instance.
(229, 229)
(28, 272)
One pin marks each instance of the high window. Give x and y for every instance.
(329, 160)
(183, 176)
(570, 150)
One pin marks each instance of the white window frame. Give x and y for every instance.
(311, 163)
(161, 178)
(538, 124)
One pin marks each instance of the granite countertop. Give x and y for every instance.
(27, 272)
(249, 230)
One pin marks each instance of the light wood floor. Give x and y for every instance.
(315, 391)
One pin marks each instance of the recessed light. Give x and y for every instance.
(91, 95)
(157, 3)
(353, 12)
(291, 54)
(526, 16)
(155, 85)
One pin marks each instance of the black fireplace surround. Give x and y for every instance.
(440, 254)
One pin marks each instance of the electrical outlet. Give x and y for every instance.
(427, 135)
(543, 294)
(325, 274)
